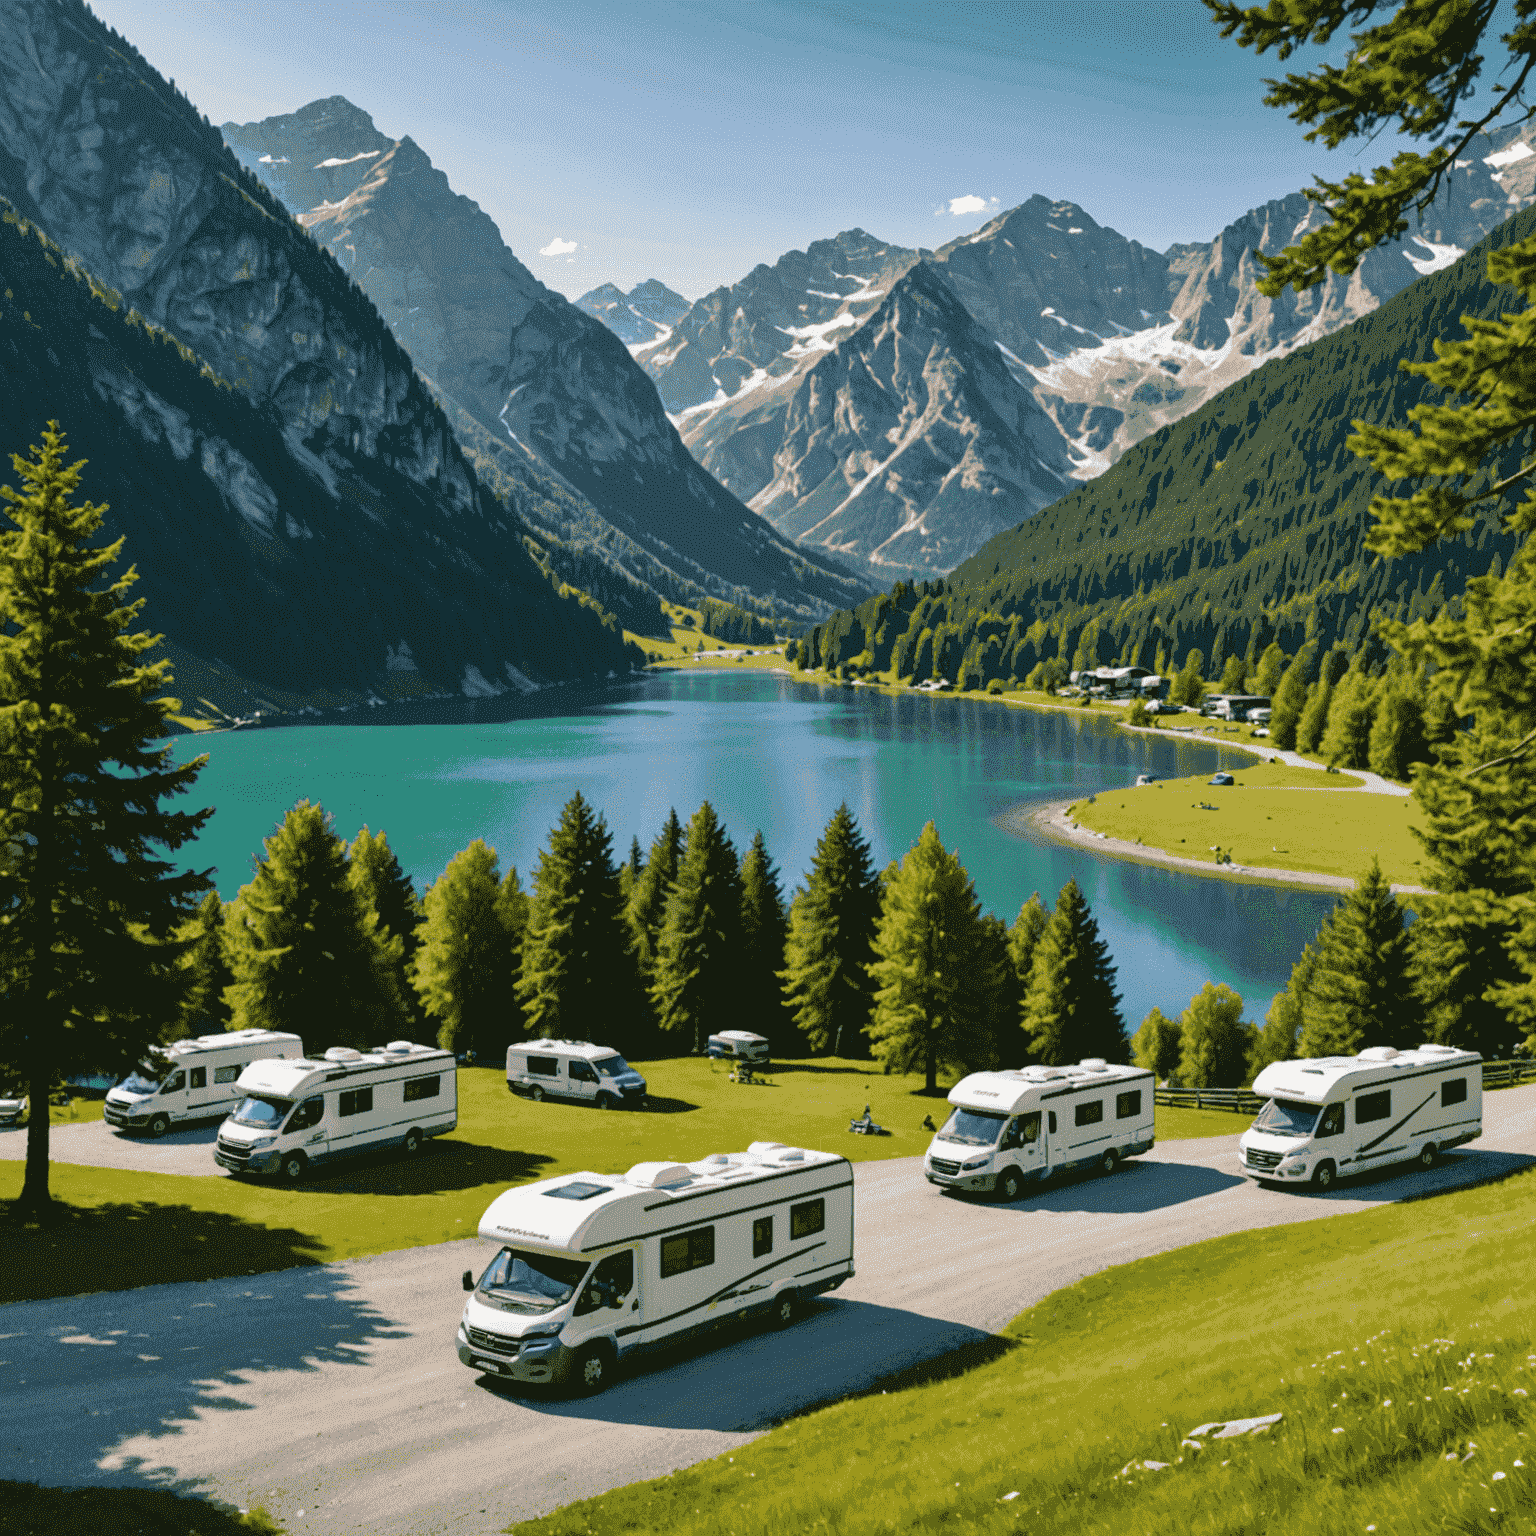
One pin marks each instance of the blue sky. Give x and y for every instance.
(690, 140)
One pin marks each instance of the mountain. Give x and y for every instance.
(644, 315)
(1242, 523)
(371, 546)
(554, 385)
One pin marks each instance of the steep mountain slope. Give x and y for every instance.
(529, 366)
(644, 315)
(106, 158)
(1242, 523)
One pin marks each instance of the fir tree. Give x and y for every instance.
(698, 984)
(1156, 1045)
(630, 871)
(1232, 676)
(90, 913)
(305, 954)
(1020, 943)
(1288, 701)
(1314, 717)
(938, 973)
(647, 909)
(1071, 1009)
(1279, 1040)
(578, 970)
(1360, 992)
(831, 930)
(1397, 733)
(1346, 742)
(206, 970)
(385, 889)
(1189, 686)
(764, 929)
(1215, 1043)
(1271, 669)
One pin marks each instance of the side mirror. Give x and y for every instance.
(469, 1280)
(616, 1302)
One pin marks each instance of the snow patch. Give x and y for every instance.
(399, 661)
(330, 165)
(519, 680)
(1074, 230)
(1440, 256)
(268, 160)
(475, 685)
(814, 338)
(1516, 152)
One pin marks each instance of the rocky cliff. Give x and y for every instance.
(644, 315)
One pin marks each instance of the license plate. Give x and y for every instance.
(489, 1365)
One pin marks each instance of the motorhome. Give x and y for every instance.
(594, 1268)
(1328, 1117)
(573, 1069)
(1009, 1129)
(196, 1079)
(294, 1114)
(740, 1045)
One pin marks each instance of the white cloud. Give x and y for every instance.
(970, 203)
(558, 247)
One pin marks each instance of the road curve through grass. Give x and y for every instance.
(335, 1390)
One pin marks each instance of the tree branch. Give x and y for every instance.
(1513, 755)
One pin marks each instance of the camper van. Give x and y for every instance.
(740, 1045)
(1333, 1116)
(597, 1267)
(573, 1069)
(1010, 1129)
(194, 1079)
(294, 1114)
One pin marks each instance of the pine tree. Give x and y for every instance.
(647, 909)
(1397, 733)
(207, 972)
(577, 979)
(1215, 1043)
(832, 926)
(764, 929)
(305, 953)
(938, 974)
(1288, 701)
(699, 960)
(630, 871)
(1280, 1038)
(1157, 1044)
(1232, 676)
(1189, 686)
(466, 966)
(1270, 670)
(385, 889)
(1314, 718)
(1360, 992)
(1071, 1009)
(90, 912)
(1346, 742)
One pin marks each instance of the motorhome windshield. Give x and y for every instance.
(611, 1066)
(974, 1127)
(1286, 1117)
(535, 1282)
(145, 1077)
(258, 1109)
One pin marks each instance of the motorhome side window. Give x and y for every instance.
(309, 1113)
(544, 1066)
(1332, 1123)
(809, 1217)
(687, 1250)
(1453, 1092)
(174, 1083)
(199, 1077)
(225, 1074)
(1052, 1114)
(1128, 1104)
(762, 1236)
(356, 1101)
(581, 1072)
(1090, 1114)
(1373, 1106)
(422, 1088)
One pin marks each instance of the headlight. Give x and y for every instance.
(263, 1141)
(1295, 1157)
(542, 1330)
(975, 1162)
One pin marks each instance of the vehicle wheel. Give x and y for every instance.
(292, 1166)
(536, 1093)
(605, 1101)
(589, 1373)
(785, 1309)
(1427, 1155)
(159, 1126)
(1009, 1186)
(1108, 1163)
(412, 1142)
(1323, 1175)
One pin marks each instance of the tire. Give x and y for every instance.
(1108, 1163)
(292, 1167)
(1428, 1155)
(1324, 1175)
(605, 1101)
(1009, 1186)
(159, 1126)
(412, 1142)
(590, 1371)
(536, 1093)
(786, 1308)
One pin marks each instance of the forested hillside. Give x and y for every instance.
(1240, 525)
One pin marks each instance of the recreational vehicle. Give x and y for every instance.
(597, 1267)
(1332, 1116)
(740, 1045)
(1009, 1129)
(294, 1114)
(194, 1079)
(573, 1069)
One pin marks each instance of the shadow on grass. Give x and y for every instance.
(89, 1511)
(659, 1104)
(440, 1166)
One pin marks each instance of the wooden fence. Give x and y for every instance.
(1244, 1101)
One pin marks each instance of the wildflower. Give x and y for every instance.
(1519, 1463)
(1498, 1477)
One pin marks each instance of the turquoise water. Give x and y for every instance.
(777, 755)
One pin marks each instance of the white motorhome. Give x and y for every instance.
(195, 1079)
(294, 1114)
(1010, 1129)
(1332, 1116)
(740, 1045)
(573, 1069)
(597, 1267)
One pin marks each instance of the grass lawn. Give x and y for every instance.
(123, 1229)
(1397, 1343)
(1274, 817)
(680, 646)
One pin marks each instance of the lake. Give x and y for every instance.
(775, 754)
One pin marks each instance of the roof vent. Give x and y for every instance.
(1093, 1061)
(658, 1175)
(400, 1047)
(765, 1148)
(343, 1053)
(1379, 1053)
(785, 1155)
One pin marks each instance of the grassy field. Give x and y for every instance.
(680, 647)
(1396, 1343)
(1273, 817)
(124, 1229)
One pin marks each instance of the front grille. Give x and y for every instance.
(234, 1149)
(1259, 1158)
(115, 1114)
(939, 1165)
(497, 1342)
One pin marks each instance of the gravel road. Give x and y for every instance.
(333, 1395)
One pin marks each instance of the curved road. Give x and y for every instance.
(333, 1395)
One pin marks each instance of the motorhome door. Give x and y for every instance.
(1021, 1137)
(173, 1092)
(203, 1098)
(583, 1078)
(610, 1300)
(308, 1123)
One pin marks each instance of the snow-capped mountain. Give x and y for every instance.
(644, 315)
